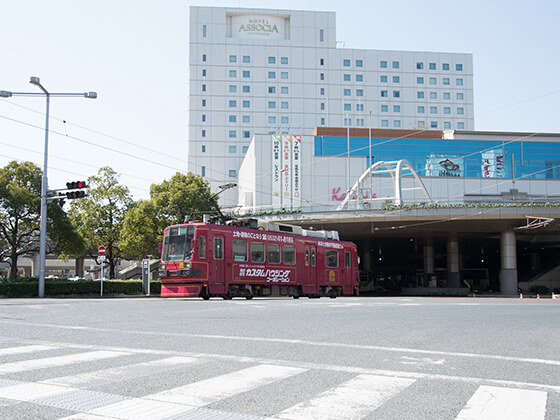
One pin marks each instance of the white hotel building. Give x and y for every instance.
(261, 71)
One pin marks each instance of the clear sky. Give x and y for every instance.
(134, 54)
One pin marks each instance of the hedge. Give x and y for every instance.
(63, 287)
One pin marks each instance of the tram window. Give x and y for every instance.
(306, 256)
(331, 258)
(202, 247)
(218, 249)
(289, 254)
(257, 252)
(313, 259)
(346, 259)
(239, 250)
(274, 253)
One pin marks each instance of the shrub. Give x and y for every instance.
(540, 289)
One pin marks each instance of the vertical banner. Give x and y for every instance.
(287, 171)
(276, 171)
(493, 164)
(296, 172)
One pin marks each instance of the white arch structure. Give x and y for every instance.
(393, 168)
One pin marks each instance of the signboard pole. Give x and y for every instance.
(101, 253)
(146, 277)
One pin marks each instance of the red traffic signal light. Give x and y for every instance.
(76, 185)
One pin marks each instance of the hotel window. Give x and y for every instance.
(232, 73)
(284, 120)
(347, 92)
(203, 117)
(459, 82)
(397, 123)
(271, 105)
(272, 119)
(232, 149)
(322, 91)
(359, 107)
(322, 61)
(396, 94)
(203, 72)
(359, 92)
(322, 121)
(433, 110)
(432, 66)
(284, 90)
(204, 31)
(396, 64)
(271, 60)
(347, 107)
(232, 134)
(383, 64)
(246, 134)
(204, 102)
(419, 66)
(322, 106)
(460, 111)
(233, 59)
(246, 73)
(433, 81)
(246, 59)
(232, 88)
(396, 79)
(346, 77)
(422, 124)
(245, 148)
(420, 80)
(420, 109)
(346, 63)
(203, 133)
(445, 66)
(384, 93)
(272, 75)
(204, 88)
(203, 148)
(384, 123)
(246, 104)
(271, 89)
(284, 105)
(460, 96)
(420, 95)
(383, 79)
(433, 124)
(359, 63)
(347, 122)
(232, 173)
(203, 170)
(446, 95)
(246, 89)
(284, 75)
(322, 76)
(458, 67)
(460, 125)
(246, 119)
(396, 108)
(359, 78)
(204, 57)
(360, 122)
(283, 60)
(446, 110)
(446, 80)
(232, 104)
(446, 124)
(384, 108)
(232, 118)
(433, 95)
(321, 35)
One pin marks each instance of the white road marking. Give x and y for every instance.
(494, 403)
(141, 408)
(30, 391)
(25, 349)
(421, 361)
(351, 400)
(121, 373)
(56, 361)
(205, 392)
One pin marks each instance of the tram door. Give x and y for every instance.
(346, 271)
(217, 279)
(309, 280)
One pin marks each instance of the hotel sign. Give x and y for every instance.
(257, 26)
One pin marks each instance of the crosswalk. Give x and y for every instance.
(93, 393)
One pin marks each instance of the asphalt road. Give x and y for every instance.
(345, 358)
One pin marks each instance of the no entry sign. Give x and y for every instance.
(101, 250)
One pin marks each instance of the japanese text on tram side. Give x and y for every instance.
(272, 276)
(330, 245)
(263, 236)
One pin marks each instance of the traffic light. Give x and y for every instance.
(70, 195)
(61, 202)
(76, 185)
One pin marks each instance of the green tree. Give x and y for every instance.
(99, 217)
(170, 203)
(20, 203)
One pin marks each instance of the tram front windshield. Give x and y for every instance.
(177, 244)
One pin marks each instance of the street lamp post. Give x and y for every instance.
(44, 182)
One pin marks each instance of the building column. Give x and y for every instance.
(428, 250)
(35, 265)
(508, 263)
(453, 271)
(366, 254)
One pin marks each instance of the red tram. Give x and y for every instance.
(206, 260)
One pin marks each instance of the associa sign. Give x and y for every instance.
(261, 26)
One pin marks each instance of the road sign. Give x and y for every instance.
(101, 250)
(101, 258)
